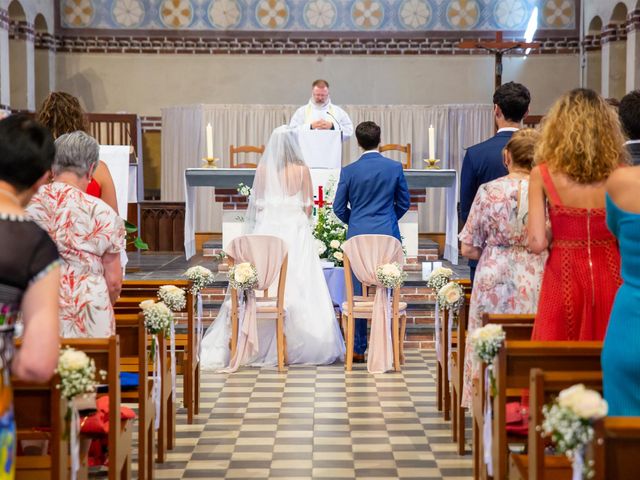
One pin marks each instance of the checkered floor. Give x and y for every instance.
(318, 422)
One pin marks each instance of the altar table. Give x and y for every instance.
(231, 177)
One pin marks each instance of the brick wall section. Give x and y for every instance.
(246, 44)
(613, 32)
(633, 21)
(592, 43)
(19, 30)
(151, 123)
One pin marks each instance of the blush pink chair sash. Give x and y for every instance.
(267, 253)
(366, 253)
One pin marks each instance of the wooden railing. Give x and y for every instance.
(114, 128)
(162, 225)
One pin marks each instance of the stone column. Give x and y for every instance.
(633, 51)
(22, 65)
(5, 86)
(45, 65)
(614, 61)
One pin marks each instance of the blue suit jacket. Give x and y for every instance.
(372, 196)
(482, 163)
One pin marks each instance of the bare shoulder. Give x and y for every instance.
(623, 178)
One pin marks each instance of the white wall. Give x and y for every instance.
(145, 83)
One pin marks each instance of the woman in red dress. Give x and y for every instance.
(62, 113)
(581, 144)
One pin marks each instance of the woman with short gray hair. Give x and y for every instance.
(89, 236)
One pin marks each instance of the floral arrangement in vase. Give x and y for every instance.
(329, 231)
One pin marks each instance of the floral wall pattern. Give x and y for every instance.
(316, 15)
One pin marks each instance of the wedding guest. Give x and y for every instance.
(629, 112)
(581, 144)
(62, 113)
(320, 114)
(620, 366)
(372, 196)
(483, 162)
(89, 235)
(508, 276)
(29, 270)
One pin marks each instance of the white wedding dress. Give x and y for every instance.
(312, 333)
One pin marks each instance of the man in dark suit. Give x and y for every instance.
(629, 111)
(483, 162)
(372, 196)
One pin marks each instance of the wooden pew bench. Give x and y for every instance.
(616, 448)
(516, 327)
(512, 367)
(544, 387)
(457, 377)
(135, 291)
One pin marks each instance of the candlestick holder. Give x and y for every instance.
(210, 162)
(431, 163)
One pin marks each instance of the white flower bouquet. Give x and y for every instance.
(451, 296)
(390, 275)
(200, 276)
(244, 189)
(329, 230)
(439, 278)
(243, 276)
(568, 422)
(157, 316)
(173, 297)
(486, 342)
(77, 373)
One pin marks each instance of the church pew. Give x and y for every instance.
(40, 412)
(135, 358)
(187, 342)
(544, 386)
(105, 352)
(516, 327)
(457, 378)
(616, 447)
(512, 367)
(443, 395)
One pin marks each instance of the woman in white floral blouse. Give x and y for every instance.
(89, 236)
(508, 276)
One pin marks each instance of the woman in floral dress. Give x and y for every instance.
(29, 272)
(508, 276)
(89, 235)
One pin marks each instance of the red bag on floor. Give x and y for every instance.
(517, 419)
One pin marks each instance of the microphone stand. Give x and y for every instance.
(338, 124)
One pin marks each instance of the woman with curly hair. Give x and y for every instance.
(581, 145)
(62, 113)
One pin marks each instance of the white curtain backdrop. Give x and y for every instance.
(183, 143)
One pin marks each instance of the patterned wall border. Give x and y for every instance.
(312, 46)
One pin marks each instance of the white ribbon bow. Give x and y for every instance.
(487, 432)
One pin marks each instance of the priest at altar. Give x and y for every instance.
(321, 114)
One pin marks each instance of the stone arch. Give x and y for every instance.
(18, 57)
(43, 59)
(595, 26)
(593, 55)
(615, 54)
(619, 14)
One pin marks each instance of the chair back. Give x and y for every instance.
(233, 150)
(406, 149)
(267, 252)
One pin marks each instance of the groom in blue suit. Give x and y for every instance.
(372, 196)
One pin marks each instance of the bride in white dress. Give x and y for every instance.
(280, 204)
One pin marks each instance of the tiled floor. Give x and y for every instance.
(318, 422)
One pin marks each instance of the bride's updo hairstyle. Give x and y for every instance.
(522, 146)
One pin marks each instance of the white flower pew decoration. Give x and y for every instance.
(391, 275)
(568, 421)
(77, 373)
(243, 276)
(176, 299)
(200, 277)
(437, 279)
(158, 319)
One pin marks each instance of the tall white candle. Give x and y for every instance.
(209, 141)
(432, 142)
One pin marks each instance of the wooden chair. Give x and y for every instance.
(457, 378)
(233, 150)
(406, 149)
(135, 291)
(544, 387)
(268, 308)
(512, 367)
(616, 446)
(362, 307)
(516, 327)
(135, 359)
(106, 354)
(443, 394)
